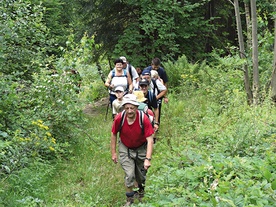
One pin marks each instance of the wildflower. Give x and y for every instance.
(51, 148)
(54, 140)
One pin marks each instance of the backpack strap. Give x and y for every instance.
(130, 71)
(113, 73)
(155, 86)
(123, 116)
(150, 96)
(141, 121)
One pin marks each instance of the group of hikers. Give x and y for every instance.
(136, 98)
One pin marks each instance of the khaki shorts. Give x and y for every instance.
(132, 162)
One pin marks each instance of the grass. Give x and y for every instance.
(199, 144)
(89, 178)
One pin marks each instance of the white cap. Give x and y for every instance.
(124, 59)
(119, 88)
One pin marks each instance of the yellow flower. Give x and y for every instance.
(48, 134)
(54, 140)
(51, 148)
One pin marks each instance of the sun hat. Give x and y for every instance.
(140, 96)
(143, 82)
(119, 88)
(146, 72)
(124, 59)
(130, 99)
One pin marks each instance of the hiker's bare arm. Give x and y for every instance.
(113, 147)
(156, 115)
(130, 85)
(161, 94)
(147, 163)
(108, 80)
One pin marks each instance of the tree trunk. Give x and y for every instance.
(256, 84)
(242, 53)
(248, 25)
(273, 77)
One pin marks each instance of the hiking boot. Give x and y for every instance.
(140, 193)
(130, 201)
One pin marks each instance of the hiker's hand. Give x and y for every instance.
(114, 158)
(111, 86)
(156, 127)
(166, 100)
(147, 164)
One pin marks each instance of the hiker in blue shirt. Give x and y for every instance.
(156, 65)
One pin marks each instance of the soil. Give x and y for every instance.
(93, 108)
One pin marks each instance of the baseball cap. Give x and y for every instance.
(143, 82)
(119, 88)
(124, 59)
(146, 72)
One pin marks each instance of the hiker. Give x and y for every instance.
(132, 71)
(116, 104)
(146, 107)
(155, 76)
(156, 65)
(135, 146)
(157, 88)
(118, 77)
(151, 100)
(139, 71)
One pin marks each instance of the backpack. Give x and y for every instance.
(113, 73)
(143, 110)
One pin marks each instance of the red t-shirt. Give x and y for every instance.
(131, 135)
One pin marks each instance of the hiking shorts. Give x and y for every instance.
(132, 162)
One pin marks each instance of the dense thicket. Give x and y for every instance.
(142, 30)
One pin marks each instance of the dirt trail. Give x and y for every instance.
(91, 109)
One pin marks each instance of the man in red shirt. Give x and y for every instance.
(135, 145)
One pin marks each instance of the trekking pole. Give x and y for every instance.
(107, 110)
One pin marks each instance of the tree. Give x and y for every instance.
(273, 77)
(256, 82)
(242, 52)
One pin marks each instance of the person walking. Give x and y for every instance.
(156, 65)
(151, 100)
(118, 77)
(157, 88)
(116, 104)
(132, 72)
(135, 146)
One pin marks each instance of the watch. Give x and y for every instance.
(149, 159)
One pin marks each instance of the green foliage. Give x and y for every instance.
(24, 38)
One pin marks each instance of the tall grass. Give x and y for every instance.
(212, 150)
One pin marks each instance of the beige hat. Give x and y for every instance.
(130, 99)
(140, 96)
(124, 59)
